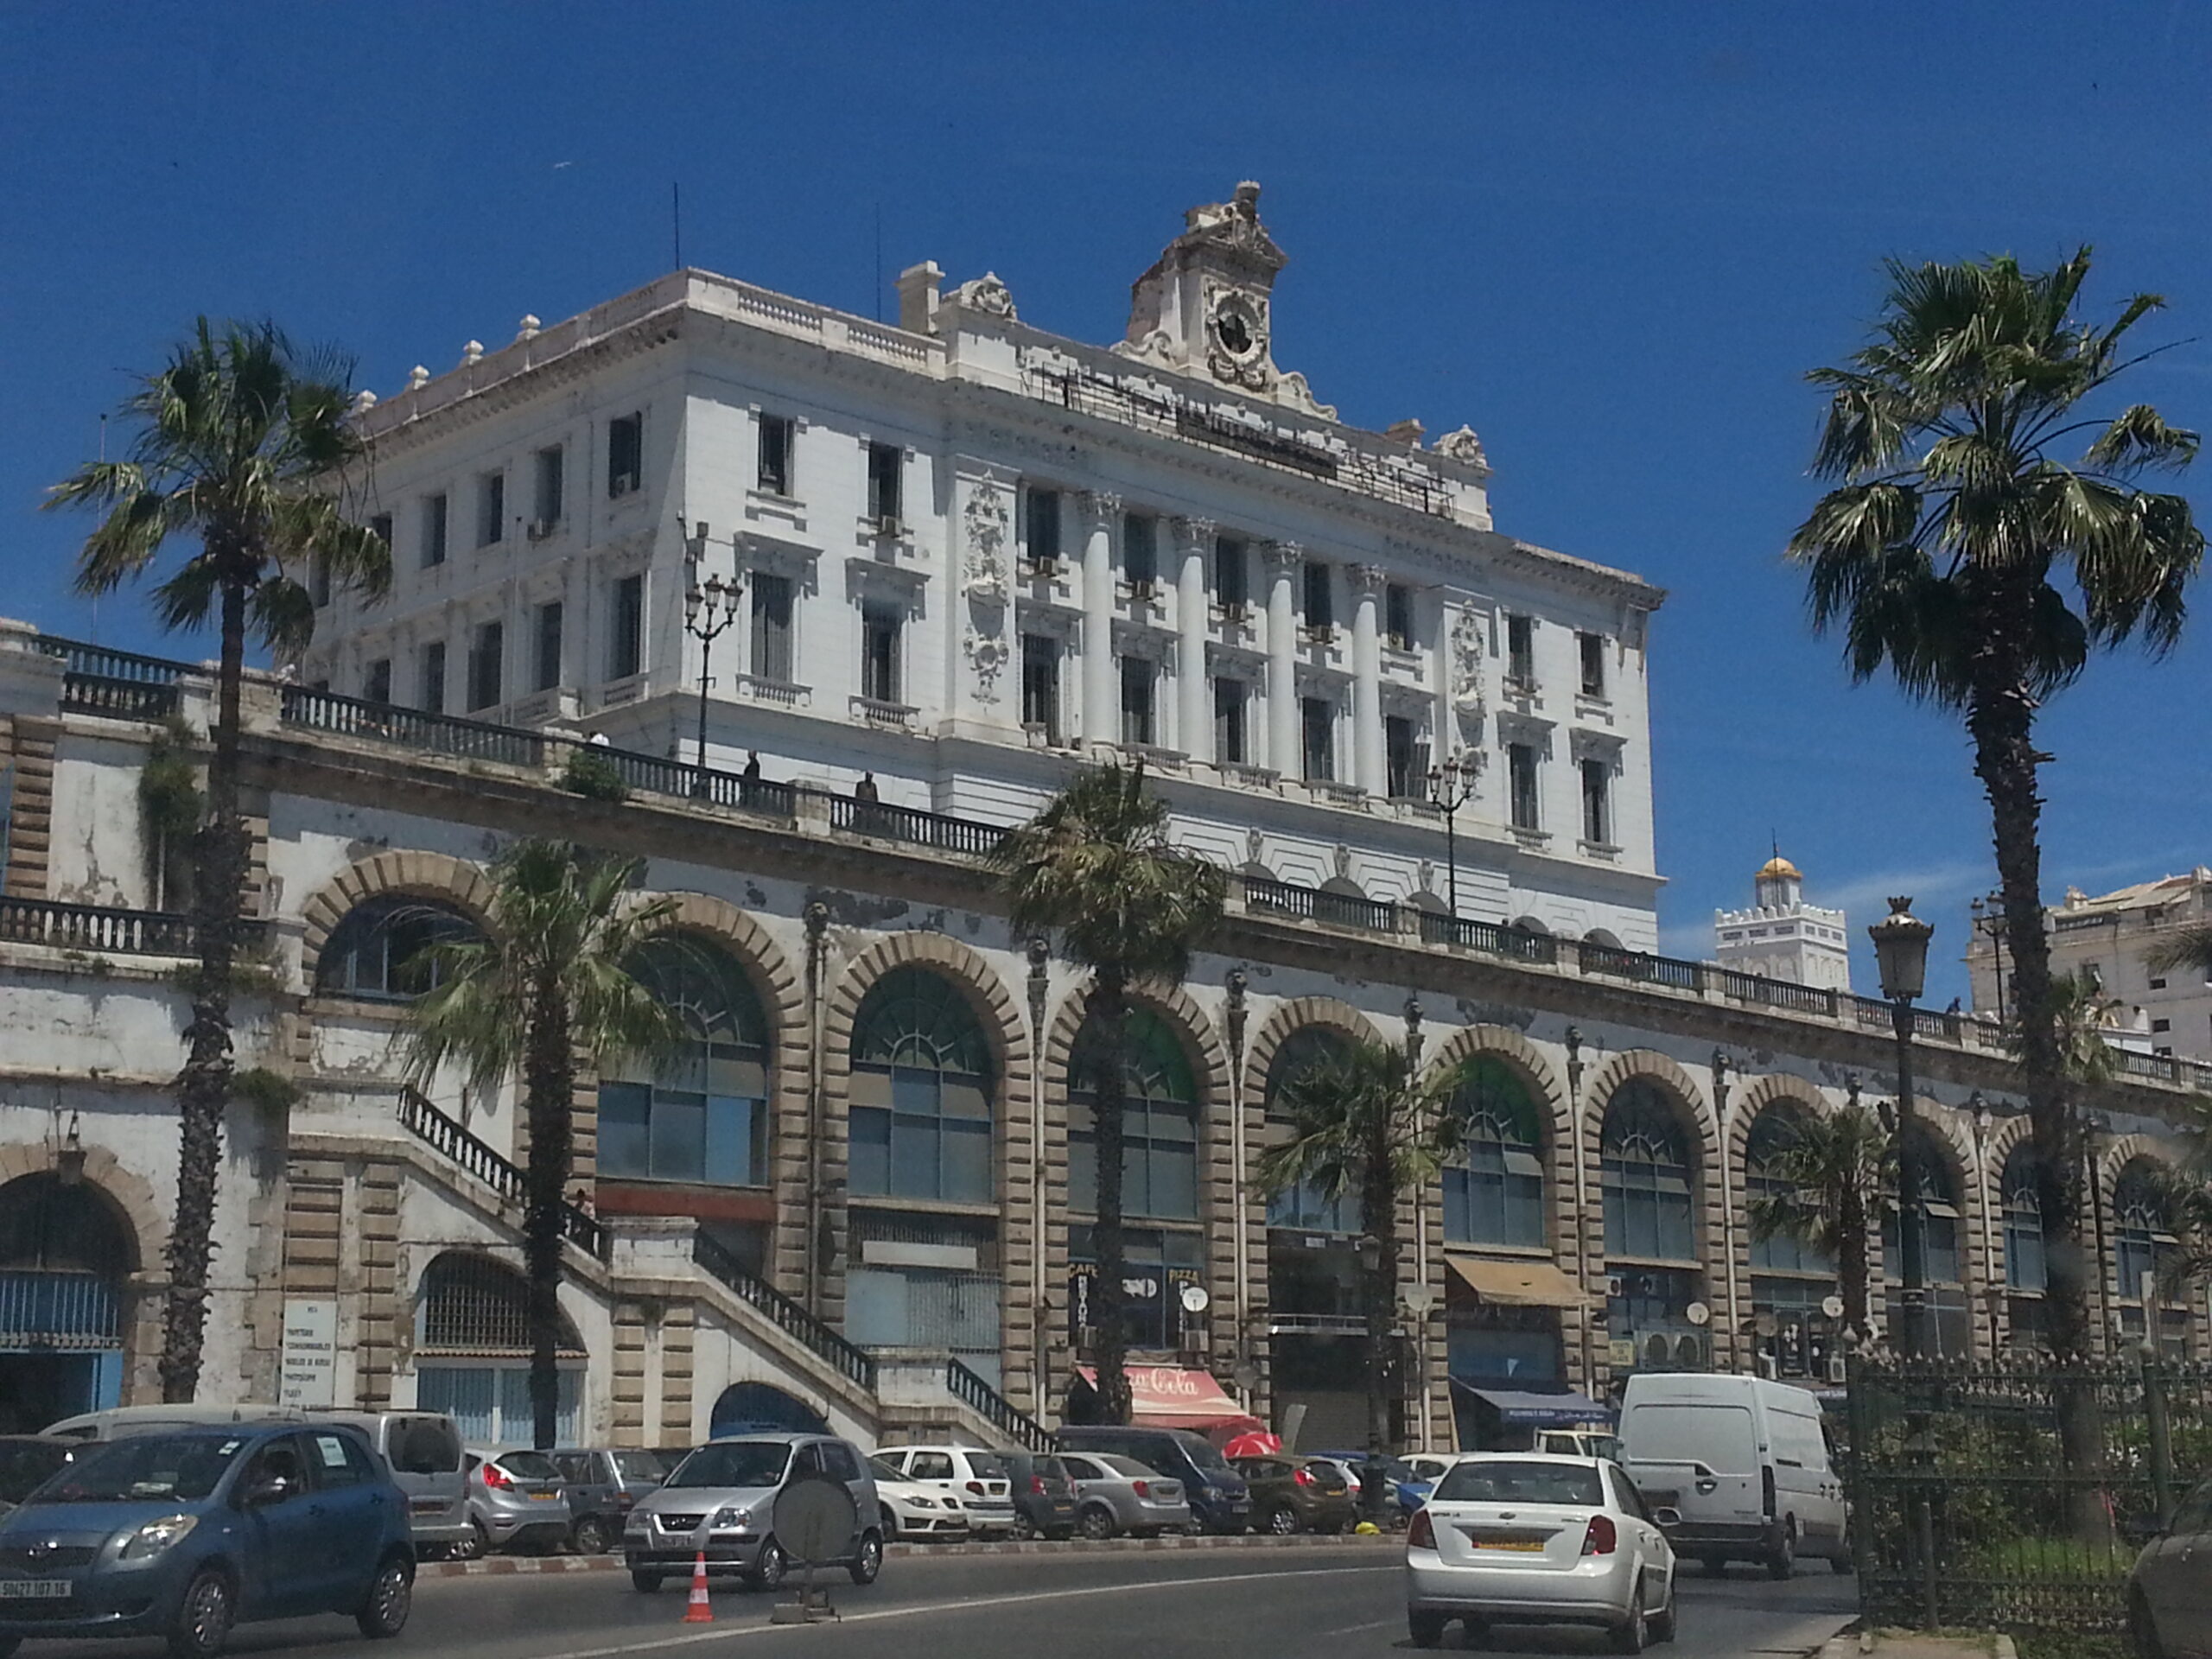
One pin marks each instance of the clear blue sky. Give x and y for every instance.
(1611, 238)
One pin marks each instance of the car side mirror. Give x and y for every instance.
(272, 1489)
(1667, 1517)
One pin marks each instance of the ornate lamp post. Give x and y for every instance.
(1450, 787)
(1901, 949)
(707, 614)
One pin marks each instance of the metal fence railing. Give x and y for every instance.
(810, 1332)
(447, 1134)
(973, 1390)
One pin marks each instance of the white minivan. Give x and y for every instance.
(1743, 1461)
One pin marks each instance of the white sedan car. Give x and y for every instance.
(1524, 1538)
(914, 1511)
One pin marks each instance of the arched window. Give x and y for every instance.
(703, 1116)
(1939, 1216)
(923, 1082)
(477, 1311)
(1494, 1195)
(2142, 1231)
(1772, 1134)
(1645, 1155)
(2024, 1260)
(1306, 1206)
(1160, 1150)
(65, 1258)
(380, 950)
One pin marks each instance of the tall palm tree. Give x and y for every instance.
(548, 978)
(1093, 870)
(1963, 551)
(1832, 1181)
(242, 447)
(1365, 1122)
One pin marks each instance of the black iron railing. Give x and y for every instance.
(810, 1332)
(1499, 941)
(914, 826)
(99, 929)
(994, 1409)
(653, 774)
(1313, 904)
(1593, 957)
(449, 1137)
(410, 728)
(1773, 993)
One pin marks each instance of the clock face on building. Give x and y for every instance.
(1237, 326)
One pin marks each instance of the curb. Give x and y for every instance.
(508, 1566)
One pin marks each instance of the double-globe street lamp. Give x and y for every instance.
(1901, 951)
(1450, 787)
(708, 613)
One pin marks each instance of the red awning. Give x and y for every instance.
(1168, 1397)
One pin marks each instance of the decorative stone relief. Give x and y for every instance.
(1462, 445)
(986, 519)
(1342, 862)
(1425, 877)
(1468, 659)
(987, 656)
(987, 295)
(1254, 844)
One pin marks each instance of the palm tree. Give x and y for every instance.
(1365, 1122)
(243, 447)
(1965, 553)
(1831, 1181)
(1095, 870)
(548, 978)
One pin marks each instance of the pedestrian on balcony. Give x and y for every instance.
(752, 773)
(864, 791)
(582, 1200)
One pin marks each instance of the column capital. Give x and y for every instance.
(1194, 532)
(1283, 558)
(1367, 578)
(1098, 504)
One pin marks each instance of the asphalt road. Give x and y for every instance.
(1329, 1603)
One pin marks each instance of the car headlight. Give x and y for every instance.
(155, 1537)
(922, 1503)
(732, 1517)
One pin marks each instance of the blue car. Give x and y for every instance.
(184, 1533)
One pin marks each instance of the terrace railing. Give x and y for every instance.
(96, 929)
(811, 1333)
(449, 1137)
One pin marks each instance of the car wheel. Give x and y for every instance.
(769, 1568)
(1282, 1520)
(203, 1618)
(645, 1583)
(869, 1561)
(1096, 1522)
(1024, 1528)
(1662, 1621)
(391, 1597)
(2143, 1627)
(1633, 1634)
(589, 1537)
(1842, 1563)
(1781, 1560)
(890, 1520)
(475, 1546)
(1425, 1628)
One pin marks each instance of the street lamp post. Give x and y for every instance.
(1901, 949)
(707, 614)
(1450, 787)
(1421, 1301)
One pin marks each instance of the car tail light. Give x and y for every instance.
(1143, 1489)
(1037, 1485)
(1603, 1538)
(1302, 1475)
(1422, 1534)
(977, 1487)
(496, 1477)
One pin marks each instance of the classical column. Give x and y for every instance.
(1102, 700)
(1193, 715)
(1283, 560)
(1371, 765)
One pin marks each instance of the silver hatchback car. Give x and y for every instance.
(1114, 1495)
(515, 1501)
(720, 1502)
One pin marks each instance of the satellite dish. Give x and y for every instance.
(814, 1520)
(1833, 1306)
(1697, 1312)
(1195, 1300)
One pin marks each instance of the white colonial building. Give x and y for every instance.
(1781, 936)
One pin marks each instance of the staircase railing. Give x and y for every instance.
(994, 1409)
(787, 1315)
(449, 1136)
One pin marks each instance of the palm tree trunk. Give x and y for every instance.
(204, 1084)
(549, 1082)
(1379, 1217)
(1109, 1007)
(1851, 1264)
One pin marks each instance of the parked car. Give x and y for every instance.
(2168, 1613)
(1526, 1538)
(1217, 1494)
(978, 1479)
(1114, 1495)
(1294, 1494)
(1043, 1494)
(912, 1510)
(515, 1501)
(185, 1532)
(1403, 1490)
(1579, 1442)
(1743, 1461)
(26, 1462)
(602, 1484)
(721, 1502)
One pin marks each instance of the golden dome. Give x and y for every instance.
(1779, 868)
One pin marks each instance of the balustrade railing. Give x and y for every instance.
(410, 728)
(912, 825)
(1491, 936)
(100, 930)
(1314, 904)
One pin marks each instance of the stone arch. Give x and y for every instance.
(993, 1006)
(1527, 1062)
(1670, 1076)
(1774, 1088)
(2126, 1149)
(2006, 1135)
(1295, 1015)
(430, 875)
(126, 1201)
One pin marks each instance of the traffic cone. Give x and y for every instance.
(701, 1611)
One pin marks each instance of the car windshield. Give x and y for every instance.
(182, 1466)
(734, 1463)
(1121, 1466)
(640, 1466)
(1207, 1455)
(882, 1471)
(1500, 1482)
(529, 1466)
(986, 1466)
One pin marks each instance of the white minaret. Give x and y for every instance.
(1782, 937)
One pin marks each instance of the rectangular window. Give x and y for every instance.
(380, 527)
(775, 475)
(487, 654)
(1596, 803)
(2157, 984)
(1045, 528)
(549, 646)
(1140, 679)
(1592, 649)
(1405, 759)
(885, 463)
(1319, 719)
(1141, 552)
(551, 478)
(771, 627)
(434, 529)
(2162, 1024)
(1521, 780)
(1231, 698)
(625, 454)
(376, 686)
(490, 508)
(1040, 684)
(433, 677)
(1319, 612)
(626, 652)
(880, 630)
(1232, 587)
(1398, 616)
(1521, 651)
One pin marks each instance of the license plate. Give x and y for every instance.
(35, 1589)
(427, 1505)
(544, 1497)
(1527, 1546)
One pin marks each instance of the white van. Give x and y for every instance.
(1743, 1461)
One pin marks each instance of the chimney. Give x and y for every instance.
(918, 297)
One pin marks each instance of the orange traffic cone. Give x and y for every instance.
(701, 1611)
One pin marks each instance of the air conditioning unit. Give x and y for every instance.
(1615, 1285)
(1689, 1353)
(542, 528)
(888, 525)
